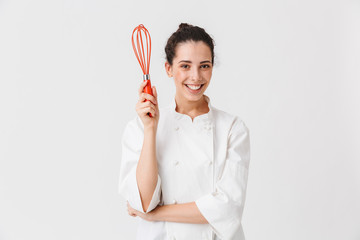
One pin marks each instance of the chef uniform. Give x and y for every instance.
(205, 160)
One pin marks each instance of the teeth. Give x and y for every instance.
(194, 87)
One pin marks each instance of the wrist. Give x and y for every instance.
(150, 130)
(156, 214)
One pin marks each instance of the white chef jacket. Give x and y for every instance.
(205, 160)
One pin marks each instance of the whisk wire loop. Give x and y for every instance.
(139, 50)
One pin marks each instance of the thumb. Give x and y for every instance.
(154, 91)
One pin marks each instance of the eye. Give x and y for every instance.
(185, 66)
(205, 66)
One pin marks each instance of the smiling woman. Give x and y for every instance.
(185, 174)
(192, 70)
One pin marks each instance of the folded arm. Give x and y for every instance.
(182, 213)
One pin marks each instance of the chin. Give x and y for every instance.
(194, 98)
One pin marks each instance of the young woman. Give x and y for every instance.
(184, 170)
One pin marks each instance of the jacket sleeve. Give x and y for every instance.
(223, 208)
(132, 141)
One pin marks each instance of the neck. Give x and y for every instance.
(191, 108)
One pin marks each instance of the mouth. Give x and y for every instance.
(194, 88)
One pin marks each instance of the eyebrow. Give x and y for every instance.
(188, 61)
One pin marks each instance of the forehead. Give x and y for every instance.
(193, 50)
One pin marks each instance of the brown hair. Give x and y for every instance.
(187, 32)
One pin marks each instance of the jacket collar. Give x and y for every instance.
(203, 117)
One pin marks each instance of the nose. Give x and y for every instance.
(195, 74)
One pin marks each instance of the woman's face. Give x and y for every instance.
(191, 69)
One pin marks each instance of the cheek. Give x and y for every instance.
(207, 75)
(180, 77)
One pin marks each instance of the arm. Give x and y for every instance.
(182, 213)
(147, 169)
(139, 182)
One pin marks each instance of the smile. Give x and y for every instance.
(194, 87)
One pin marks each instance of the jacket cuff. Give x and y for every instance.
(223, 215)
(134, 196)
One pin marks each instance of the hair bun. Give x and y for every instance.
(187, 32)
(184, 25)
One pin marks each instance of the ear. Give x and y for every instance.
(168, 69)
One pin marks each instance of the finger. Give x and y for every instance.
(145, 111)
(141, 88)
(141, 105)
(154, 92)
(155, 95)
(146, 96)
(130, 209)
(142, 108)
(147, 104)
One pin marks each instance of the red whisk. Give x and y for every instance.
(142, 56)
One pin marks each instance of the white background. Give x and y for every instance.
(68, 86)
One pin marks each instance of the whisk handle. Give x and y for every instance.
(147, 89)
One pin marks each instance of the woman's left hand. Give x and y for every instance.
(146, 216)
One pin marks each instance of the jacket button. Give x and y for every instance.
(176, 163)
(176, 128)
(210, 162)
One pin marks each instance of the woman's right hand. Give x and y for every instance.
(142, 107)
